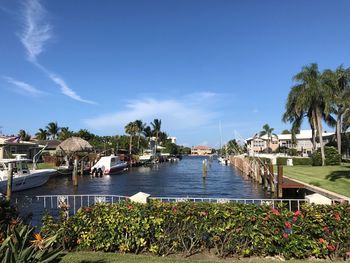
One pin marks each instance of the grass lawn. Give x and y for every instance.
(332, 178)
(100, 257)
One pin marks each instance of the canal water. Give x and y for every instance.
(180, 179)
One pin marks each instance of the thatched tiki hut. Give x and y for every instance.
(74, 145)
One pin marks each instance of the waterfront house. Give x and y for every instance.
(303, 143)
(201, 150)
(13, 145)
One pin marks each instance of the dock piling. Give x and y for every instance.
(9, 182)
(279, 181)
(75, 173)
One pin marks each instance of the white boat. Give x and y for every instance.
(23, 178)
(108, 165)
(147, 156)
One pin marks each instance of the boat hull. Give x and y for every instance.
(35, 179)
(117, 169)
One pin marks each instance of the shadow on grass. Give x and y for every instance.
(93, 261)
(338, 175)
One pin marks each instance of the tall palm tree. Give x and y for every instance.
(156, 126)
(131, 129)
(140, 127)
(65, 133)
(339, 82)
(53, 129)
(311, 98)
(24, 135)
(42, 134)
(147, 132)
(268, 131)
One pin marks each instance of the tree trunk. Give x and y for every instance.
(320, 132)
(130, 145)
(138, 143)
(313, 129)
(338, 130)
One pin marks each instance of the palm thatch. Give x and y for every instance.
(73, 145)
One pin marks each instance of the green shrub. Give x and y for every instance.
(229, 229)
(261, 159)
(281, 160)
(292, 152)
(331, 155)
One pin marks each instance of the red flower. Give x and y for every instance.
(297, 213)
(275, 211)
(331, 247)
(130, 206)
(326, 229)
(88, 209)
(295, 218)
(174, 209)
(322, 241)
(285, 235)
(337, 217)
(348, 254)
(287, 225)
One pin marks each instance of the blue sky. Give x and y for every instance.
(193, 64)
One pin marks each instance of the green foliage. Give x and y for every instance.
(21, 246)
(296, 161)
(292, 152)
(8, 214)
(261, 159)
(331, 154)
(227, 229)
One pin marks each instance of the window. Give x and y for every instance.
(13, 149)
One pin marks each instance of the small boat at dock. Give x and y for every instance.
(108, 165)
(22, 177)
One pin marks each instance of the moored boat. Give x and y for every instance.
(108, 165)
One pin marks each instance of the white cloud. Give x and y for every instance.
(36, 32)
(176, 114)
(23, 88)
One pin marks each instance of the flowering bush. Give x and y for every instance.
(228, 229)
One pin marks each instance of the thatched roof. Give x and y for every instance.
(74, 144)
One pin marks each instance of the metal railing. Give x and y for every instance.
(292, 204)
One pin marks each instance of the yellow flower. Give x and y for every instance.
(38, 242)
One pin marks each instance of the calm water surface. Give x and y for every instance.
(180, 179)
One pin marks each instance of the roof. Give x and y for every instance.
(74, 144)
(201, 147)
(14, 140)
(51, 144)
(304, 134)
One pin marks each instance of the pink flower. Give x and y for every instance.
(295, 218)
(322, 241)
(297, 213)
(275, 211)
(337, 217)
(204, 213)
(326, 229)
(130, 206)
(287, 225)
(348, 254)
(285, 235)
(174, 210)
(331, 247)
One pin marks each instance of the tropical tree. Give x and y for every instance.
(53, 129)
(85, 134)
(339, 82)
(310, 97)
(140, 127)
(268, 131)
(285, 131)
(131, 129)
(65, 133)
(24, 135)
(156, 126)
(42, 134)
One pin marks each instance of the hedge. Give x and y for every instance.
(331, 154)
(296, 161)
(185, 228)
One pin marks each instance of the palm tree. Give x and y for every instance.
(131, 129)
(140, 127)
(339, 82)
(310, 97)
(53, 129)
(156, 125)
(268, 131)
(42, 134)
(65, 133)
(24, 135)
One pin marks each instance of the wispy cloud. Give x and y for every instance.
(23, 88)
(36, 33)
(178, 114)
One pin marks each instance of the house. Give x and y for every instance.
(201, 150)
(303, 143)
(13, 145)
(172, 139)
(50, 145)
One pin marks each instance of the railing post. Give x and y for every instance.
(280, 181)
(266, 175)
(272, 178)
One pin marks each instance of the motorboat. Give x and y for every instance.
(22, 177)
(147, 156)
(108, 165)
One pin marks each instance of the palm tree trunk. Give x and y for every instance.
(338, 131)
(138, 142)
(130, 145)
(320, 132)
(313, 130)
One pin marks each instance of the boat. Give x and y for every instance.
(23, 178)
(146, 157)
(108, 165)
